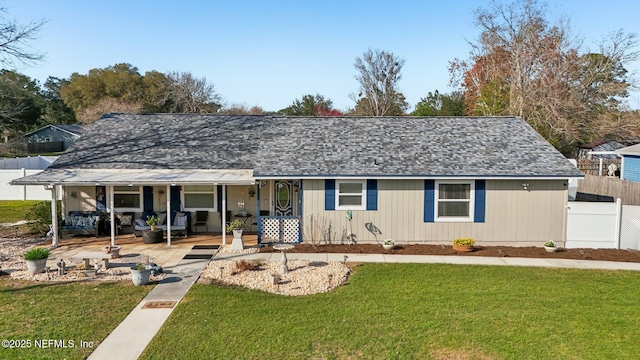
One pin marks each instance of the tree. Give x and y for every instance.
(436, 104)
(122, 83)
(378, 73)
(523, 65)
(188, 94)
(55, 111)
(14, 38)
(241, 109)
(20, 102)
(310, 105)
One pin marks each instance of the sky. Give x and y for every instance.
(269, 53)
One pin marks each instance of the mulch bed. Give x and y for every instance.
(494, 251)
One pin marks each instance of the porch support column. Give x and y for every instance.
(168, 192)
(54, 216)
(112, 215)
(224, 214)
(259, 218)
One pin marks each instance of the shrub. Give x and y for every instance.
(40, 217)
(464, 241)
(244, 265)
(36, 254)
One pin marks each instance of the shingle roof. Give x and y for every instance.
(319, 146)
(74, 129)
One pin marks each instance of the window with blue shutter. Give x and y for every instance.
(372, 194)
(480, 201)
(429, 200)
(329, 194)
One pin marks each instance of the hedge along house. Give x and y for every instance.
(329, 179)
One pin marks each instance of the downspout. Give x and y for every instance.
(224, 214)
(112, 215)
(258, 222)
(168, 192)
(54, 215)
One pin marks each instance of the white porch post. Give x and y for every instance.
(54, 216)
(224, 214)
(112, 215)
(168, 192)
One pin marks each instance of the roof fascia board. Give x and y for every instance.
(364, 177)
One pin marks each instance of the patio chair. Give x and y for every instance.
(201, 220)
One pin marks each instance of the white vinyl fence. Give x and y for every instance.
(14, 192)
(14, 168)
(603, 225)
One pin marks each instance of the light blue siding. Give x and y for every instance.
(631, 168)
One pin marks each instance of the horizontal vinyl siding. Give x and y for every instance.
(631, 168)
(513, 215)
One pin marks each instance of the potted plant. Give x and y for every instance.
(550, 246)
(140, 274)
(153, 221)
(388, 244)
(235, 226)
(463, 244)
(36, 259)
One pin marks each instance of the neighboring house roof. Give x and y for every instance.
(73, 129)
(633, 150)
(280, 146)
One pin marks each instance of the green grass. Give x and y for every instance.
(415, 311)
(12, 211)
(74, 311)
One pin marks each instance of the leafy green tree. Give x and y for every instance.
(55, 111)
(20, 102)
(436, 104)
(309, 105)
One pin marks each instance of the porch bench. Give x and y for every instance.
(82, 223)
(91, 255)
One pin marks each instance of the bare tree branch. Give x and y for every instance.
(14, 39)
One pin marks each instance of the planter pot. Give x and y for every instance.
(463, 248)
(551, 249)
(140, 277)
(36, 266)
(152, 236)
(388, 246)
(237, 243)
(113, 250)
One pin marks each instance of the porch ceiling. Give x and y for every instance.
(138, 177)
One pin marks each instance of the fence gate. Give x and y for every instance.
(630, 227)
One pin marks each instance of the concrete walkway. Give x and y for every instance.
(129, 339)
(132, 336)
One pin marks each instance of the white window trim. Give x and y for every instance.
(215, 199)
(471, 200)
(363, 205)
(128, 209)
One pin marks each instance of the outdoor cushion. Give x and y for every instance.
(140, 222)
(181, 221)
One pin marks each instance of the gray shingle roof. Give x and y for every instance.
(317, 146)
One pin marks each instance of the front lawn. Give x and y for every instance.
(61, 321)
(415, 311)
(12, 211)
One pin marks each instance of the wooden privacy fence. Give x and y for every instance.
(628, 191)
(597, 166)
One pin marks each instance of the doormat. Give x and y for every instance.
(197, 257)
(205, 247)
(159, 304)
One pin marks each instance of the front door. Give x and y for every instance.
(284, 198)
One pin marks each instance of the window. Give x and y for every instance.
(127, 198)
(454, 201)
(199, 197)
(351, 195)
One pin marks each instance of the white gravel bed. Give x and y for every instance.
(303, 277)
(11, 261)
(226, 249)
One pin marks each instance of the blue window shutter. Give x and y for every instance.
(175, 198)
(429, 200)
(481, 197)
(147, 198)
(329, 194)
(372, 194)
(219, 199)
